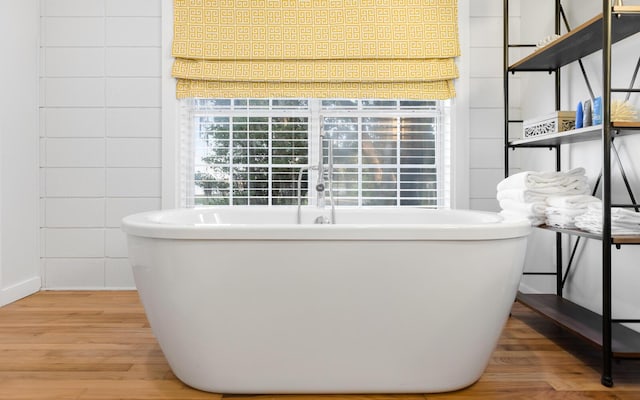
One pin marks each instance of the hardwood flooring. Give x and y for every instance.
(98, 345)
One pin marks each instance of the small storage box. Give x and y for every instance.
(558, 121)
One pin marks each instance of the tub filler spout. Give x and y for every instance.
(321, 219)
(324, 182)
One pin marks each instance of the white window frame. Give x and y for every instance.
(313, 112)
(458, 154)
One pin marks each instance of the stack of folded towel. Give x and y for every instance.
(533, 211)
(561, 211)
(623, 222)
(525, 194)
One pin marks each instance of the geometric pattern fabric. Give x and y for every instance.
(367, 46)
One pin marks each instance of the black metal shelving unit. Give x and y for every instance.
(614, 24)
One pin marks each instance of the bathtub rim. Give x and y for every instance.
(145, 225)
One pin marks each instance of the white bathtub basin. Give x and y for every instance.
(243, 300)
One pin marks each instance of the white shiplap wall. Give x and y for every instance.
(100, 134)
(19, 243)
(486, 165)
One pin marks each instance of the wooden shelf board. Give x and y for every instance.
(575, 232)
(618, 239)
(626, 124)
(626, 9)
(580, 42)
(626, 239)
(576, 135)
(553, 139)
(583, 323)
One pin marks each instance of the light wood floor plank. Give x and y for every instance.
(98, 345)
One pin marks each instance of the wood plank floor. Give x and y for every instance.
(98, 345)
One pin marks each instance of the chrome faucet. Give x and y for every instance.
(299, 212)
(321, 186)
(333, 204)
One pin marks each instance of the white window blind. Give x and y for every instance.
(249, 152)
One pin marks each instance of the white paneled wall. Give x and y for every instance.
(486, 99)
(100, 128)
(19, 150)
(100, 135)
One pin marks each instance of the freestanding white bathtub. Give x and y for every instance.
(243, 300)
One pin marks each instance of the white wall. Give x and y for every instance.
(486, 143)
(19, 263)
(101, 128)
(100, 135)
(584, 285)
(538, 98)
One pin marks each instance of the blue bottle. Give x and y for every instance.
(597, 111)
(579, 115)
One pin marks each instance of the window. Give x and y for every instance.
(250, 152)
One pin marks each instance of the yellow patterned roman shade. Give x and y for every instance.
(401, 49)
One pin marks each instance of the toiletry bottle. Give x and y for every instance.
(596, 117)
(586, 111)
(579, 115)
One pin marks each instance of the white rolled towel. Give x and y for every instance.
(541, 179)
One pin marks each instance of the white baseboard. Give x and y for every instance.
(88, 288)
(20, 290)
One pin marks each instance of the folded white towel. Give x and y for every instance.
(565, 212)
(544, 179)
(555, 176)
(521, 195)
(541, 194)
(625, 216)
(589, 218)
(574, 188)
(621, 215)
(623, 222)
(535, 221)
(533, 208)
(560, 221)
(563, 217)
(615, 230)
(575, 201)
